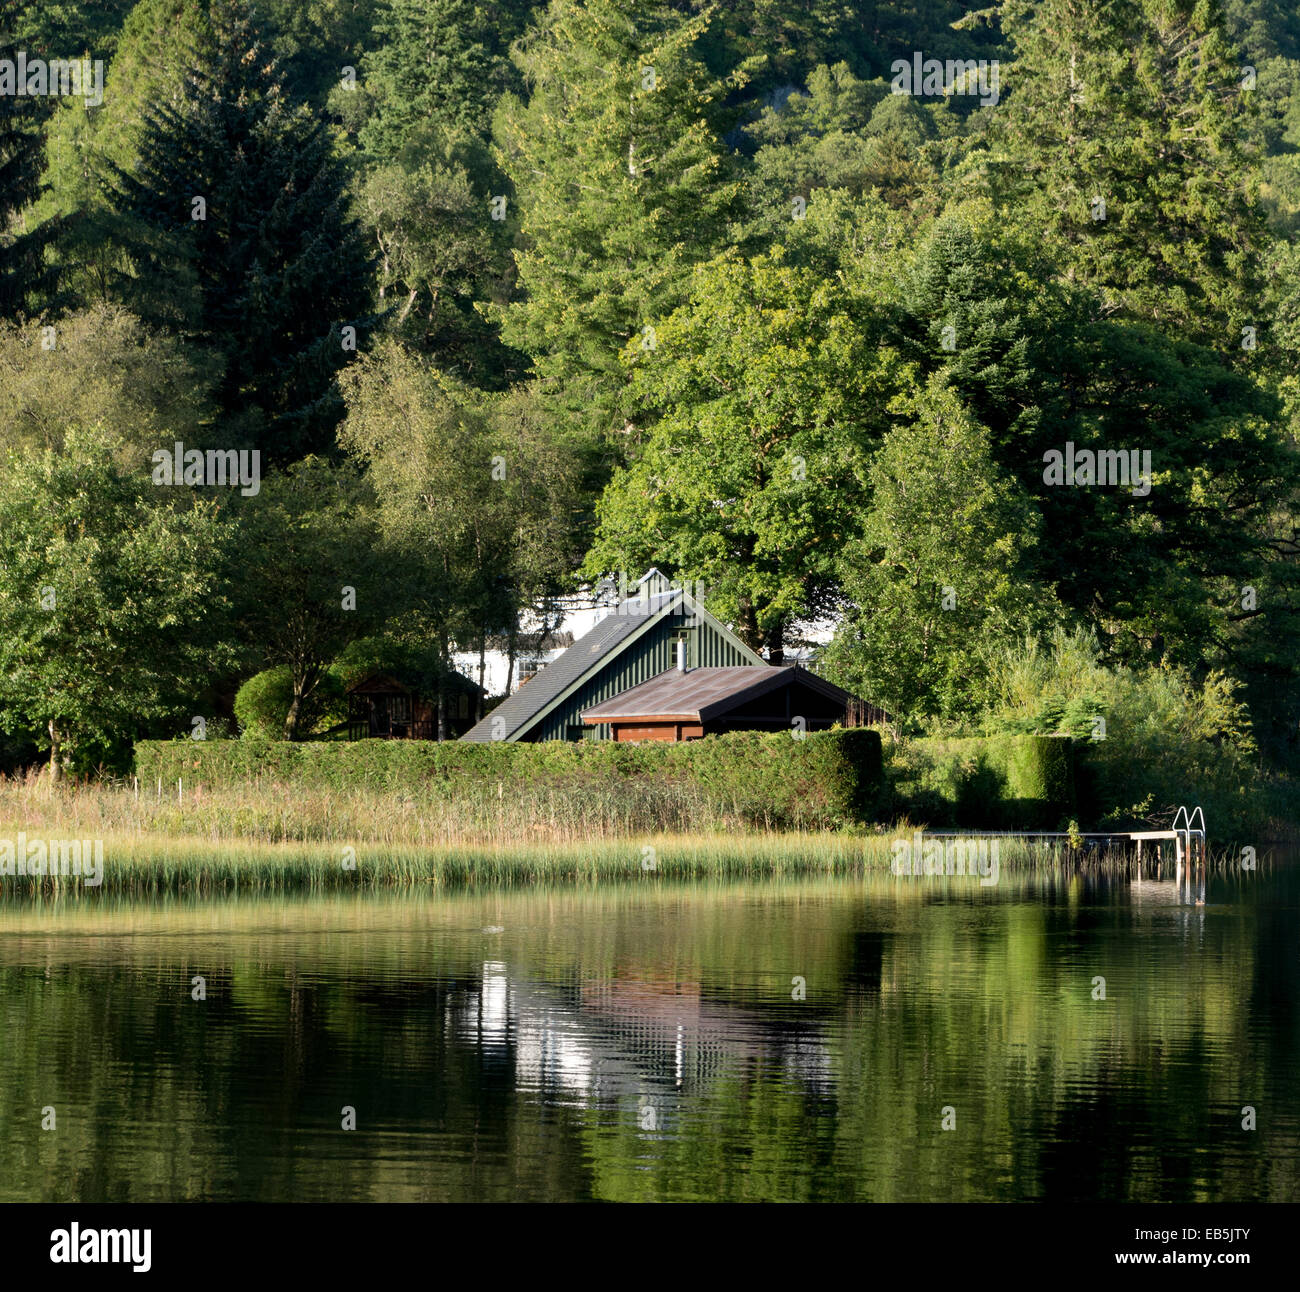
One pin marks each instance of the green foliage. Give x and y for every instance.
(67, 28)
(785, 393)
(24, 277)
(983, 783)
(439, 253)
(314, 40)
(109, 600)
(1137, 102)
(275, 268)
(844, 134)
(1154, 738)
(105, 369)
(475, 492)
(940, 571)
(263, 704)
(159, 42)
(826, 779)
(764, 398)
(434, 67)
(622, 183)
(321, 579)
(421, 112)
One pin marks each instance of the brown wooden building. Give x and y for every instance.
(381, 707)
(685, 704)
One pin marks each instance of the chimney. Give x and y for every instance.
(681, 654)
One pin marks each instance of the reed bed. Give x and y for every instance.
(168, 864)
(273, 837)
(279, 838)
(476, 813)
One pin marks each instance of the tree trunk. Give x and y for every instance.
(56, 755)
(511, 643)
(442, 688)
(302, 687)
(776, 645)
(482, 672)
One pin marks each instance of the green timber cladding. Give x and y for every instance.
(632, 644)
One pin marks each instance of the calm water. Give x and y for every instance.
(647, 1043)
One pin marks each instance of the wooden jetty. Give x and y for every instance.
(1187, 836)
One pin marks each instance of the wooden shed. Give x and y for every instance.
(687, 703)
(381, 707)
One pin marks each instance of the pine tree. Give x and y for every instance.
(24, 277)
(242, 241)
(154, 52)
(437, 65)
(622, 183)
(1120, 144)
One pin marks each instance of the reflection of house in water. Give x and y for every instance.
(628, 1036)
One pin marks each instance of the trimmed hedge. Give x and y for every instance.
(1007, 782)
(828, 778)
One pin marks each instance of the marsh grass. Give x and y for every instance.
(483, 812)
(280, 838)
(160, 863)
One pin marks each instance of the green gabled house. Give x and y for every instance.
(660, 628)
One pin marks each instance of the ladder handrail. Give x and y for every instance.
(1183, 835)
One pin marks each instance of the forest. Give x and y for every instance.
(972, 330)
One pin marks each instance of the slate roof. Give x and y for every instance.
(701, 694)
(519, 709)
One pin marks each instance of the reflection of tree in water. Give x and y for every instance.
(523, 1076)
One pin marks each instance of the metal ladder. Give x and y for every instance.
(1189, 840)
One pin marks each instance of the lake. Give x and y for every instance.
(1057, 1036)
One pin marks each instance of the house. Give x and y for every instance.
(687, 703)
(382, 707)
(636, 640)
(545, 632)
(502, 665)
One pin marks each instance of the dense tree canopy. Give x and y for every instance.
(516, 293)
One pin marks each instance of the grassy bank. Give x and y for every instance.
(284, 836)
(471, 812)
(275, 837)
(147, 864)
(280, 838)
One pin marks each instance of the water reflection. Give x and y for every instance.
(778, 1040)
(625, 1036)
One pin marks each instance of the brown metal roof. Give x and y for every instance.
(699, 694)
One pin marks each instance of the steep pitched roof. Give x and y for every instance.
(591, 652)
(700, 694)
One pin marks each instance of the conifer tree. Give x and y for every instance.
(622, 183)
(434, 65)
(240, 233)
(1120, 145)
(24, 276)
